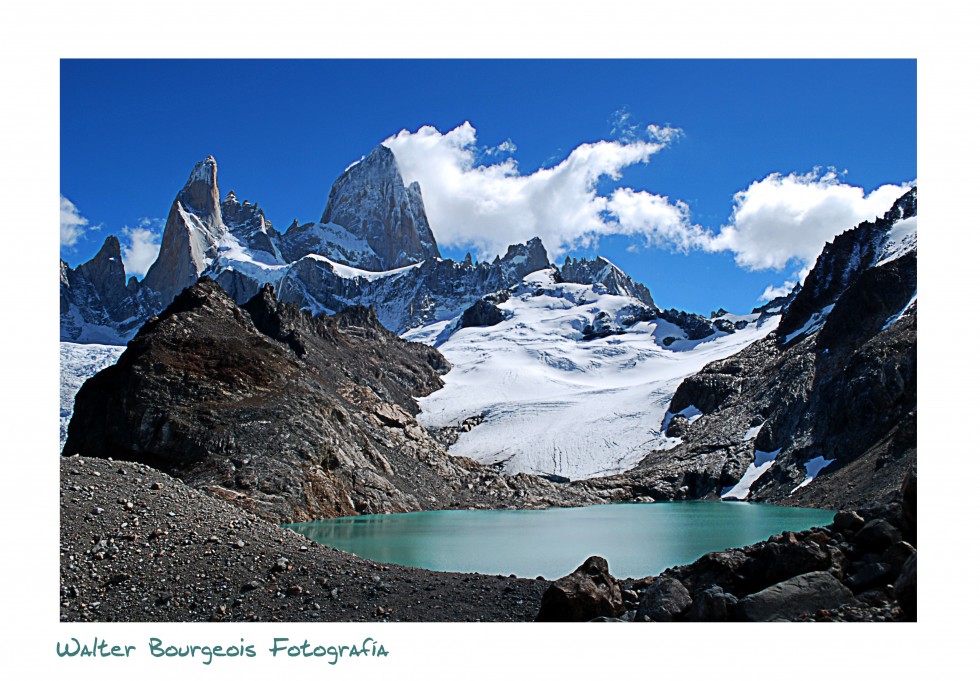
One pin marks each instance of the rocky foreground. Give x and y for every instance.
(860, 568)
(139, 545)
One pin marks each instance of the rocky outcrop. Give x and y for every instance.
(481, 313)
(832, 404)
(602, 272)
(286, 415)
(522, 259)
(842, 262)
(248, 223)
(588, 593)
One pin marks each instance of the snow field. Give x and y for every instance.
(555, 404)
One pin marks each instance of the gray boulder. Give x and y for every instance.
(799, 595)
(665, 600)
(878, 536)
(713, 604)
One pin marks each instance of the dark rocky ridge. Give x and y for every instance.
(285, 415)
(849, 256)
(844, 391)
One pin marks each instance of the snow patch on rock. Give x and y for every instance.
(741, 489)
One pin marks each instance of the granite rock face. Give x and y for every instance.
(191, 234)
(375, 222)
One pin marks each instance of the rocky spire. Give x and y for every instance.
(106, 272)
(191, 234)
(370, 200)
(200, 193)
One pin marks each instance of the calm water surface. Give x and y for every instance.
(636, 539)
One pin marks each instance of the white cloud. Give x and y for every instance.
(663, 133)
(505, 147)
(785, 218)
(73, 224)
(140, 246)
(661, 223)
(777, 291)
(490, 206)
(776, 221)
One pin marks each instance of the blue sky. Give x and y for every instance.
(283, 130)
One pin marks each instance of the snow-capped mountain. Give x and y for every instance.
(372, 221)
(572, 372)
(602, 271)
(373, 246)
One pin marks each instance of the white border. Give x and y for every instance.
(941, 35)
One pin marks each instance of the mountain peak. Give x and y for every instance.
(105, 270)
(190, 236)
(110, 249)
(200, 192)
(371, 202)
(204, 171)
(603, 271)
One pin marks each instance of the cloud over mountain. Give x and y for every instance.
(476, 202)
(788, 218)
(489, 206)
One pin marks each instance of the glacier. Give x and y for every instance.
(555, 403)
(79, 362)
